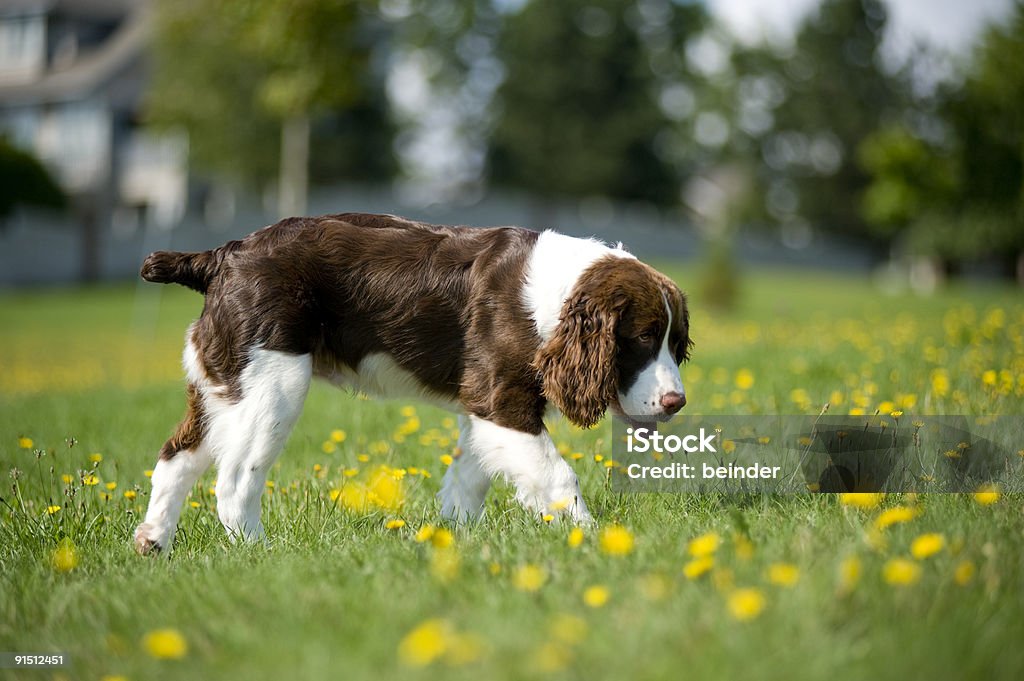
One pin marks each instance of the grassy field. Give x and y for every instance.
(360, 581)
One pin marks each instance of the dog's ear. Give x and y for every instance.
(577, 364)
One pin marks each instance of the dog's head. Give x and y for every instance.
(621, 336)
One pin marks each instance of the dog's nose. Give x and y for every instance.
(673, 402)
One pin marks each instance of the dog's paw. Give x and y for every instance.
(148, 540)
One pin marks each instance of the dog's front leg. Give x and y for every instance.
(544, 482)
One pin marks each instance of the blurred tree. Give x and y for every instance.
(246, 78)
(577, 113)
(25, 181)
(959, 196)
(821, 99)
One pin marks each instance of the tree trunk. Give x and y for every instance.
(294, 174)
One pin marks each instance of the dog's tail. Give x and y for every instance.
(194, 270)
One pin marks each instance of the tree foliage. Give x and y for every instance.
(25, 181)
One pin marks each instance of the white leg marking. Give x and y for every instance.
(465, 484)
(544, 482)
(172, 480)
(246, 438)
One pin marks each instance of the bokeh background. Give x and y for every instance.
(864, 135)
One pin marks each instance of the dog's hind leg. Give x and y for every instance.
(246, 437)
(466, 483)
(183, 459)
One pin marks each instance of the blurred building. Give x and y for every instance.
(72, 77)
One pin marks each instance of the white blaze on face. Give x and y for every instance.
(659, 378)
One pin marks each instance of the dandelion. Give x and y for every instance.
(194, 504)
(864, 500)
(111, 486)
(328, 447)
(698, 567)
(617, 541)
(896, 414)
(338, 436)
(783, 574)
(596, 596)
(444, 565)
(148, 473)
(446, 459)
(96, 458)
(987, 495)
(850, 570)
(895, 516)
(927, 545)
(129, 494)
(744, 379)
(989, 377)
(67, 479)
(425, 643)
(964, 572)
(64, 557)
(395, 524)
(50, 510)
(425, 533)
(90, 480)
(165, 644)
(575, 537)
(25, 442)
(441, 538)
(569, 629)
(746, 604)
(704, 545)
(529, 578)
(901, 572)
(494, 568)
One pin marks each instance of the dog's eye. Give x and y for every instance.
(645, 337)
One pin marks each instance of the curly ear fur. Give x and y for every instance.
(578, 363)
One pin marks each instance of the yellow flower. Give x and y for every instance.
(444, 565)
(90, 480)
(744, 379)
(446, 459)
(425, 533)
(698, 566)
(328, 447)
(849, 573)
(338, 436)
(111, 485)
(575, 537)
(927, 545)
(989, 377)
(547, 517)
(529, 578)
(896, 414)
(426, 643)
(742, 546)
(65, 556)
(395, 524)
(568, 629)
(441, 538)
(861, 499)
(408, 411)
(783, 574)
(129, 494)
(746, 604)
(616, 541)
(67, 479)
(987, 495)
(896, 515)
(148, 473)
(704, 545)
(964, 572)
(25, 442)
(165, 644)
(194, 504)
(96, 458)
(901, 572)
(52, 509)
(113, 677)
(596, 596)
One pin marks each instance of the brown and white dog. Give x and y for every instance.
(491, 323)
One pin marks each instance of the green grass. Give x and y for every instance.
(334, 592)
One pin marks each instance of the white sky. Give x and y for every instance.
(950, 25)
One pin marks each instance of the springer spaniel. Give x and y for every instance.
(491, 323)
